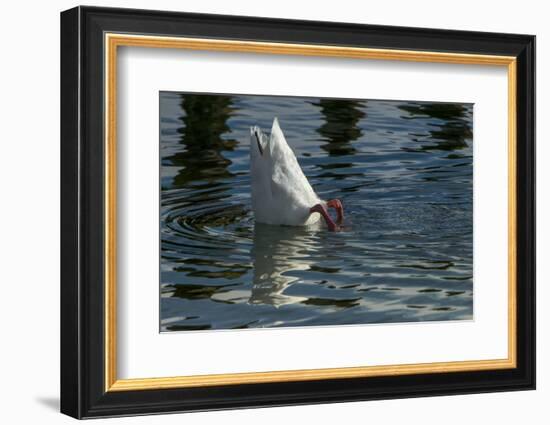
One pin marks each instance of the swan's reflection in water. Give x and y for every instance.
(278, 251)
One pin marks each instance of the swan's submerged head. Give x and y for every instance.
(258, 139)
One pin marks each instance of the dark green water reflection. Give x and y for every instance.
(403, 171)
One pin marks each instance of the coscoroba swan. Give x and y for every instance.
(281, 193)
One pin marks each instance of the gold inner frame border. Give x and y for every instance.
(111, 43)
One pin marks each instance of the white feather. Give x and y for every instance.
(281, 193)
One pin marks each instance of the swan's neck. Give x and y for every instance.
(321, 209)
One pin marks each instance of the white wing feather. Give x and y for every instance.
(281, 193)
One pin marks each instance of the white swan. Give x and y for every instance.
(281, 194)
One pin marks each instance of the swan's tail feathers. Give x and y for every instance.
(276, 128)
(277, 137)
(258, 140)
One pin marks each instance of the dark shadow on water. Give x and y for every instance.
(204, 120)
(454, 129)
(49, 402)
(340, 125)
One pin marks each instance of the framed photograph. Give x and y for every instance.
(261, 212)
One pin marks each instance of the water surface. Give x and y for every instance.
(403, 171)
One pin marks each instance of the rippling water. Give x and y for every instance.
(403, 171)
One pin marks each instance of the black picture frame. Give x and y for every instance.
(83, 392)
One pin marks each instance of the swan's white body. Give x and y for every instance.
(281, 193)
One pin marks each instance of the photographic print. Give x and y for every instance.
(283, 211)
(334, 212)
